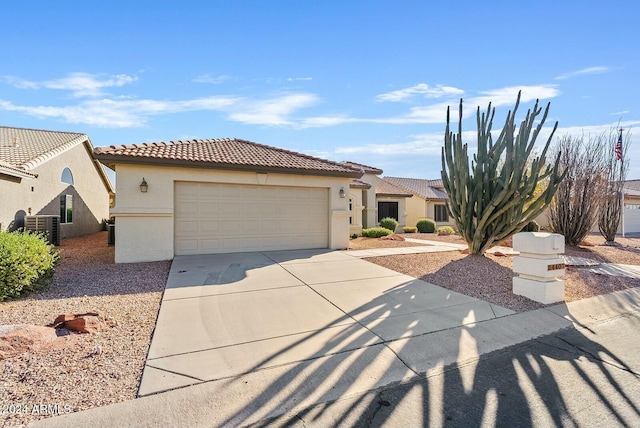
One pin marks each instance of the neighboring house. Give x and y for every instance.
(52, 173)
(631, 213)
(224, 195)
(391, 201)
(379, 200)
(429, 200)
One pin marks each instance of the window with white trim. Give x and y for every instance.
(66, 208)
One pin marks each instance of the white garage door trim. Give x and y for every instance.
(212, 218)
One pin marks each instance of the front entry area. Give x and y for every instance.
(224, 218)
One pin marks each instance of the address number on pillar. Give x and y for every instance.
(556, 266)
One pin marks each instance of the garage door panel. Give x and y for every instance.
(208, 227)
(186, 209)
(186, 246)
(208, 209)
(219, 218)
(187, 228)
(210, 244)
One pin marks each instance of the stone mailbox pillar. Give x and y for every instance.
(538, 266)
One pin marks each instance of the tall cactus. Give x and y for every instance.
(495, 196)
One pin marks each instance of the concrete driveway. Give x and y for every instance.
(295, 327)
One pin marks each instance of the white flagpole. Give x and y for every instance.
(623, 183)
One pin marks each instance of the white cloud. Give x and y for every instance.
(19, 83)
(588, 70)
(208, 78)
(80, 84)
(295, 79)
(272, 112)
(120, 113)
(507, 96)
(419, 89)
(418, 144)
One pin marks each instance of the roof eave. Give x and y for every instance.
(16, 173)
(112, 160)
(394, 195)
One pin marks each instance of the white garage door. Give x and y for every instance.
(223, 218)
(632, 219)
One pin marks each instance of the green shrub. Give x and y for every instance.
(376, 232)
(354, 236)
(446, 230)
(532, 226)
(26, 261)
(409, 229)
(389, 223)
(426, 225)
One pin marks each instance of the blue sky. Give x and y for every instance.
(366, 81)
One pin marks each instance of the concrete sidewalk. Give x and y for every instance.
(241, 338)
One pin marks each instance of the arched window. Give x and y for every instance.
(67, 177)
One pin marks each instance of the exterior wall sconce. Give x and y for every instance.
(144, 186)
(342, 193)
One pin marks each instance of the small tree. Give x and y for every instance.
(574, 209)
(610, 209)
(494, 196)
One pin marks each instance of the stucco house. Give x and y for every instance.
(52, 173)
(224, 195)
(375, 198)
(429, 200)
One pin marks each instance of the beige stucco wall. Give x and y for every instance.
(145, 221)
(419, 208)
(41, 195)
(357, 210)
(416, 210)
(370, 211)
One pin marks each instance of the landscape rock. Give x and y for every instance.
(18, 338)
(393, 237)
(89, 322)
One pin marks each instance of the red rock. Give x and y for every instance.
(465, 251)
(19, 338)
(89, 322)
(507, 243)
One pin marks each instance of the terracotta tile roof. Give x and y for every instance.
(426, 189)
(223, 153)
(387, 188)
(359, 184)
(24, 149)
(365, 168)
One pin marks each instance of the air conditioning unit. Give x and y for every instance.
(47, 224)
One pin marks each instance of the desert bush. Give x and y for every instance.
(389, 223)
(532, 226)
(410, 229)
(446, 230)
(26, 261)
(354, 236)
(426, 225)
(376, 232)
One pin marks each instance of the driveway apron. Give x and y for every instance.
(311, 324)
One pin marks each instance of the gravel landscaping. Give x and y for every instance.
(490, 277)
(81, 371)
